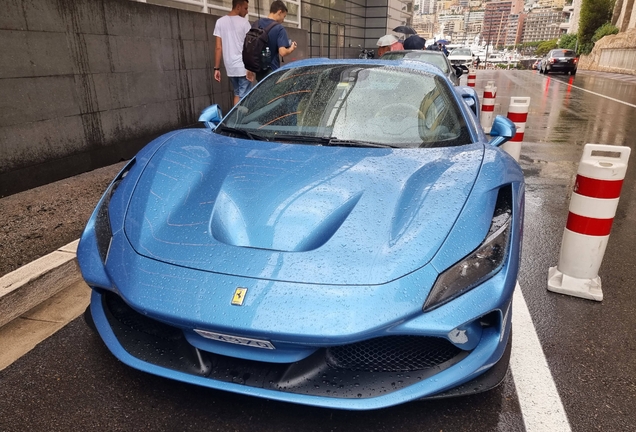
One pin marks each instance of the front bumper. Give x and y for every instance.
(158, 348)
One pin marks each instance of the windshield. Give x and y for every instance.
(465, 52)
(341, 104)
(432, 57)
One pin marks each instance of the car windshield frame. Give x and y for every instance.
(365, 105)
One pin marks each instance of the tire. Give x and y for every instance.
(573, 72)
(88, 318)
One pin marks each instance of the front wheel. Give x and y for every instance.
(88, 319)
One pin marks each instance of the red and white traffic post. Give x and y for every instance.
(472, 78)
(488, 106)
(518, 113)
(592, 209)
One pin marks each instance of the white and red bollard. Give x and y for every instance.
(592, 209)
(518, 114)
(472, 78)
(488, 106)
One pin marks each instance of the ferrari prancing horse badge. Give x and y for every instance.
(239, 296)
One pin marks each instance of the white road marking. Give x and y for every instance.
(539, 399)
(597, 94)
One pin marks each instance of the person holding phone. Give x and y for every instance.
(278, 40)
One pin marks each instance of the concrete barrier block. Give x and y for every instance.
(12, 17)
(22, 143)
(14, 54)
(98, 53)
(47, 15)
(37, 281)
(200, 32)
(186, 24)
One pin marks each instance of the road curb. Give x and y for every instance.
(30, 285)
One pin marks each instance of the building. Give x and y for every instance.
(551, 4)
(336, 28)
(514, 30)
(542, 24)
(425, 25)
(496, 22)
(564, 27)
(426, 7)
(452, 25)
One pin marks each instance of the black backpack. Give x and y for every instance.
(254, 47)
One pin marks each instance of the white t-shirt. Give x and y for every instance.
(232, 30)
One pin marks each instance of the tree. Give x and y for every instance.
(544, 47)
(604, 30)
(594, 13)
(568, 41)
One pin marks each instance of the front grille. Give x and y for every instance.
(392, 354)
(361, 370)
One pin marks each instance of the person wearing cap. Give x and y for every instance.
(414, 42)
(388, 43)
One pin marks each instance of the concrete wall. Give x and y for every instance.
(613, 53)
(86, 83)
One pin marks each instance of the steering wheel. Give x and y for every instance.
(399, 108)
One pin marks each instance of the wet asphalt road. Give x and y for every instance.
(71, 382)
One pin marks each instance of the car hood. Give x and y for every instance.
(298, 213)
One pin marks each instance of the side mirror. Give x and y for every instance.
(469, 95)
(458, 71)
(503, 129)
(211, 116)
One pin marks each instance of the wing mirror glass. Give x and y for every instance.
(211, 116)
(503, 129)
(458, 71)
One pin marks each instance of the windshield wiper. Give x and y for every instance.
(356, 143)
(243, 132)
(329, 141)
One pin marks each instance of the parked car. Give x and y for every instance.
(559, 60)
(462, 57)
(436, 58)
(344, 237)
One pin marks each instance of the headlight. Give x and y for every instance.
(103, 230)
(480, 265)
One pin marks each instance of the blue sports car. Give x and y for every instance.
(344, 237)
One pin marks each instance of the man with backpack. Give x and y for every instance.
(230, 33)
(266, 41)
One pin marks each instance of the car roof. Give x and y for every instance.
(406, 64)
